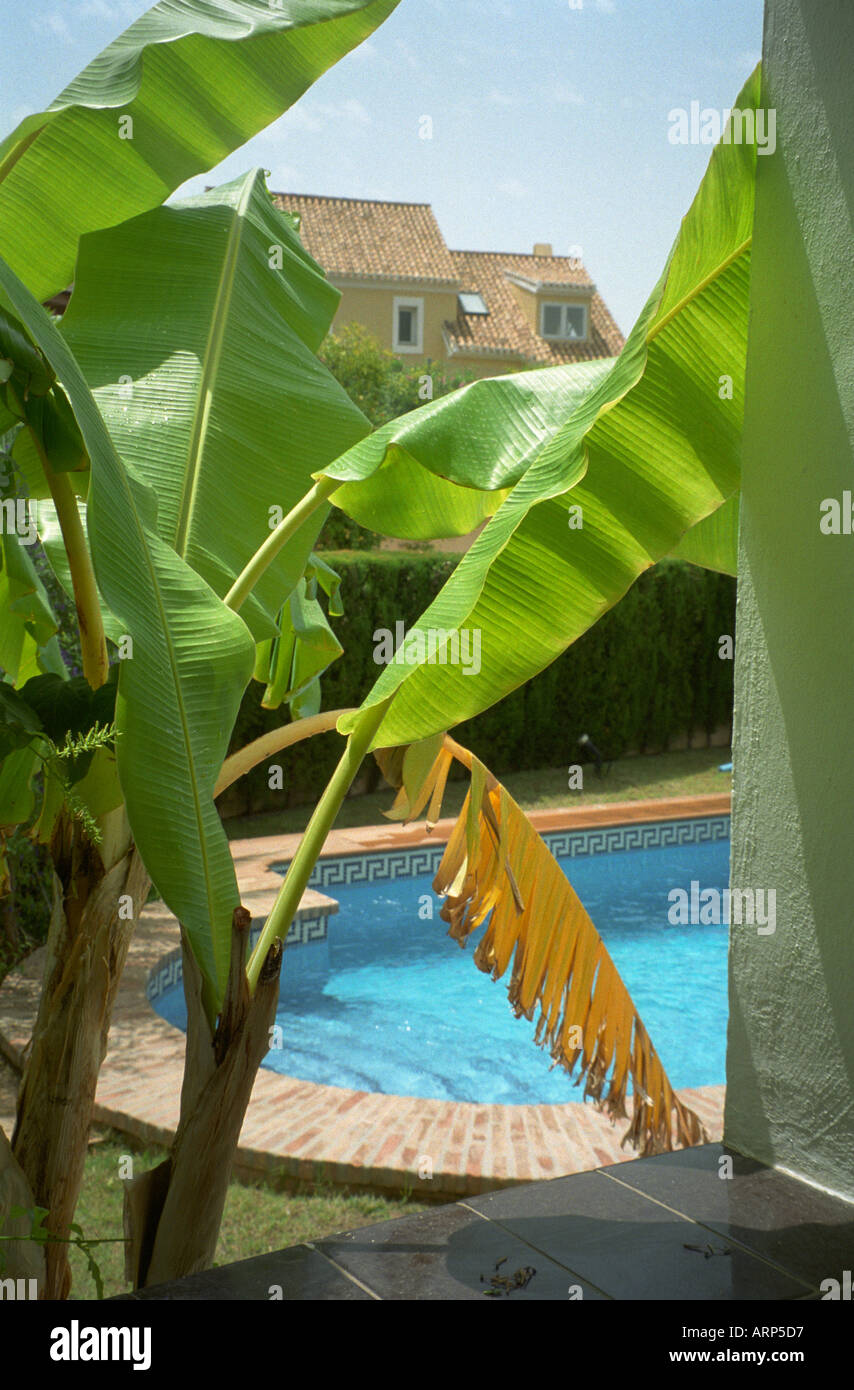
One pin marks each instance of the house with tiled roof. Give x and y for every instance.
(486, 311)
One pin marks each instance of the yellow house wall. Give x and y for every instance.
(527, 303)
(374, 308)
(530, 303)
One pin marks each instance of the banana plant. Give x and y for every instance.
(184, 86)
(183, 444)
(598, 471)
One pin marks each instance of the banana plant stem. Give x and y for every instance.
(266, 553)
(299, 872)
(255, 752)
(93, 645)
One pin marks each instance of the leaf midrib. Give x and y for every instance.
(698, 289)
(210, 370)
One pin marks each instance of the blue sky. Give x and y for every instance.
(549, 121)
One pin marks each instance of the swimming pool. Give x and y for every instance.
(383, 1001)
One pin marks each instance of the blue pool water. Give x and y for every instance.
(388, 1003)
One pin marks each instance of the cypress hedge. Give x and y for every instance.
(647, 674)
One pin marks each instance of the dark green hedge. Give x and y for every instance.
(646, 674)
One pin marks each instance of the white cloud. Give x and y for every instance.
(353, 110)
(499, 98)
(406, 53)
(606, 6)
(314, 116)
(94, 9)
(56, 24)
(562, 95)
(300, 117)
(366, 51)
(513, 188)
(283, 178)
(747, 59)
(125, 10)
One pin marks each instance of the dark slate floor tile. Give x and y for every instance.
(806, 1231)
(448, 1253)
(301, 1273)
(629, 1246)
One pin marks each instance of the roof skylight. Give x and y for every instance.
(473, 303)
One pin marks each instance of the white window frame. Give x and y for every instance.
(408, 302)
(562, 336)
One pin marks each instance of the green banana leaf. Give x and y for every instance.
(17, 794)
(441, 470)
(30, 480)
(180, 689)
(28, 642)
(196, 326)
(189, 82)
(47, 718)
(305, 648)
(19, 722)
(644, 457)
(713, 542)
(50, 536)
(319, 575)
(69, 709)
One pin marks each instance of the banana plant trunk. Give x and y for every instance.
(20, 1257)
(172, 1213)
(99, 892)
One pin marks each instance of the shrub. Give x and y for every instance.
(25, 909)
(647, 674)
(383, 389)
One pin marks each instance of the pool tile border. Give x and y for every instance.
(301, 1131)
(339, 870)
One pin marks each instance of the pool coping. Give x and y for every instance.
(298, 1130)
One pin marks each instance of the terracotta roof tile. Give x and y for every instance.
(372, 240)
(505, 329)
(401, 241)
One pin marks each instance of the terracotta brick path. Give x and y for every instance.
(301, 1130)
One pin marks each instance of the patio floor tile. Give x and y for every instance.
(804, 1230)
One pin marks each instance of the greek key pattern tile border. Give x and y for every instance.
(337, 871)
(170, 970)
(608, 839)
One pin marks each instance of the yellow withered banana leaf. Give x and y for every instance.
(495, 862)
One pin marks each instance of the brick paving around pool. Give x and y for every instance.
(298, 1130)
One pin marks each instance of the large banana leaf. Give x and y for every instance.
(196, 326)
(196, 79)
(179, 691)
(646, 455)
(441, 470)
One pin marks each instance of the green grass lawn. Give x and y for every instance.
(257, 1217)
(692, 772)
